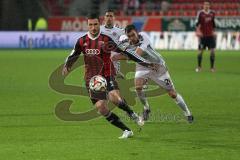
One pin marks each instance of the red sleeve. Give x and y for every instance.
(214, 25)
(72, 58)
(198, 19)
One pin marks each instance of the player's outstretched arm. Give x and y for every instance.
(135, 57)
(153, 66)
(131, 54)
(71, 59)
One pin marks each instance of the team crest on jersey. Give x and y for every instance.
(85, 44)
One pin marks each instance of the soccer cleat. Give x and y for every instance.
(212, 70)
(190, 119)
(146, 113)
(126, 134)
(198, 69)
(137, 119)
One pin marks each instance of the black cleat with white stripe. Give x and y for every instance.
(190, 119)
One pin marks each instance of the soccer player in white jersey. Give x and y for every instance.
(114, 32)
(140, 43)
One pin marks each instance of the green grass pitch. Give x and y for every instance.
(29, 129)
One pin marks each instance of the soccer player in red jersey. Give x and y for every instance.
(96, 48)
(205, 31)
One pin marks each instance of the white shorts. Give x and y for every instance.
(161, 77)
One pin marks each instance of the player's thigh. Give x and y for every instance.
(163, 80)
(202, 43)
(141, 77)
(142, 73)
(211, 42)
(101, 106)
(113, 90)
(114, 96)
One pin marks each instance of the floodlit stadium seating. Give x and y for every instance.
(145, 8)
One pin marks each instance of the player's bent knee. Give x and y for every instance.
(172, 94)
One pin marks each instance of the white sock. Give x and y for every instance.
(142, 97)
(180, 102)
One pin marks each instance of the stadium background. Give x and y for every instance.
(35, 38)
(174, 21)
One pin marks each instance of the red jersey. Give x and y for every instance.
(96, 52)
(206, 22)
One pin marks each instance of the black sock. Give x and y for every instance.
(115, 120)
(212, 59)
(199, 57)
(124, 106)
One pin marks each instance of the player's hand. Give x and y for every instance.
(123, 45)
(199, 34)
(214, 34)
(65, 71)
(114, 57)
(119, 56)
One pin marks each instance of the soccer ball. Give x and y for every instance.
(98, 83)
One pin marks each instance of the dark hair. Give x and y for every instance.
(206, 1)
(110, 10)
(93, 16)
(129, 28)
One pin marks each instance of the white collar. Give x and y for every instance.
(93, 38)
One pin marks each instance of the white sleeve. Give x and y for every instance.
(123, 38)
(145, 42)
(122, 32)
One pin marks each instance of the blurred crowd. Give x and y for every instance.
(126, 7)
(138, 7)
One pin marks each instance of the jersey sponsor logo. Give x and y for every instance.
(92, 51)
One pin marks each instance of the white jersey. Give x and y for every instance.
(149, 53)
(161, 76)
(115, 33)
